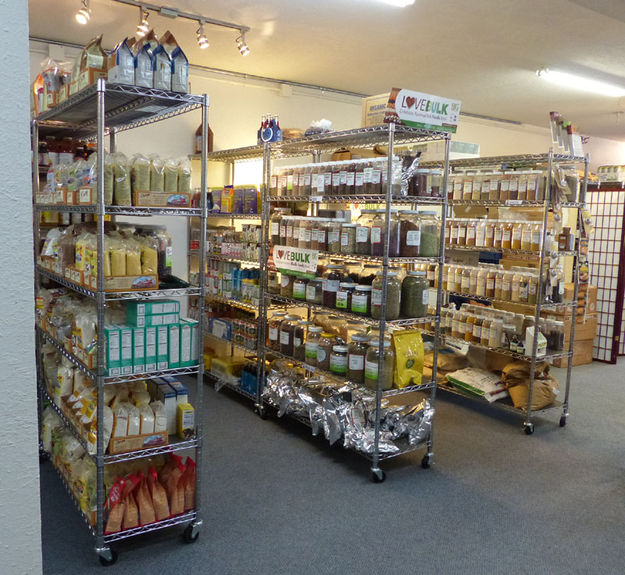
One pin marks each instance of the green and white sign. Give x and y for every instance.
(296, 261)
(419, 110)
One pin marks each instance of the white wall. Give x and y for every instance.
(20, 542)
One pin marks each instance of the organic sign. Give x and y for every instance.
(296, 261)
(418, 110)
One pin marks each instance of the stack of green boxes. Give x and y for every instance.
(155, 338)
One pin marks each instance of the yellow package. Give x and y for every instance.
(408, 346)
(227, 200)
(185, 419)
(149, 257)
(133, 258)
(118, 262)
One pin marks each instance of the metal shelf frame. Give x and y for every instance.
(105, 109)
(359, 199)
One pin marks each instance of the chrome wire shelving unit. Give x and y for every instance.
(105, 109)
(546, 162)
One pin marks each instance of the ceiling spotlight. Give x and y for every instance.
(242, 45)
(84, 14)
(202, 40)
(144, 26)
(581, 83)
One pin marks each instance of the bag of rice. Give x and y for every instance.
(171, 176)
(184, 176)
(157, 174)
(140, 174)
(122, 190)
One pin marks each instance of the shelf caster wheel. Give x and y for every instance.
(563, 419)
(261, 411)
(107, 557)
(378, 476)
(191, 533)
(528, 428)
(426, 462)
(43, 456)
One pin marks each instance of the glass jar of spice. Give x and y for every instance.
(393, 296)
(361, 300)
(344, 296)
(379, 366)
(357, 352)
(312, 344)
(324, 350)
(415, 295)
(348, 239)
(332, 277)
(338, 360)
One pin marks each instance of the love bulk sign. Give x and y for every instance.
(296, 261)
(418, 110)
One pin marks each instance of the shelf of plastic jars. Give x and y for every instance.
(378, 260)
(281, 300)
(461, 343)
(505, 251)
(233, 302)
(543, 305)
(508, 161)
(359, 199)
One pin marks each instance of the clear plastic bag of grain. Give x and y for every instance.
(122, 195)
(109, 179)
(184, 176)
(140, 173)
(157, 174)
(171, 176)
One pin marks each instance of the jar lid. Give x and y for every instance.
(335, 266)
(347, 284)
(291, 317)
(315, 329)
(303, 322)
(389, 274)
(376, 343)
(361, 337)
(349, 225)
(340, 348)
(410, 212)
(428, 213)
(417, 273)
(363, 288)
(327, 334)
(279, 314)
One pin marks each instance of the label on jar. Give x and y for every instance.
(274, 182)
(273, 334)
(466, 188)
(367, 175)
(320, 184)
(359, 303)
(285, 337)
(376, 235)
(413, 237)
(297, 341)
(307, 180)
(341, 300)
(331, 285)
(505, 236)
(425, 299)
(310, 292)
(494, 185)
(334, 236)
(311, 349)
(289, 231)
(342, 177)
(314, 236)
(350, 179)
(336, 179)
(362, 234)
(359, 179)
(532, 288)
(283, 229)
(535, 237)
(523, 290)
(505, 185)
(274, 229)
(470, 233)
(477, 331)
(376, 297)
(344, 239)
(321, 354)
(490, 284)
(321, 236)
(285, 280)
(371, 370)
(356, 362)
(338, 363)
(282, 183)
(327, 180)
(516, 233)
(305, 234)
(300, 290)
(376, 176)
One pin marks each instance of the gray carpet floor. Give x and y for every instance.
(277, 501)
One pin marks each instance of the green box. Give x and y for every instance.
(138, 349)
(125, 335)
(174, 345)
(162, 347)
(137, 312)
(189, 342)
(113, 350)
(150, 349)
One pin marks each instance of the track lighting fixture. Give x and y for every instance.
(242, 45)
(84, 14)
(202, 40)
(144, 26)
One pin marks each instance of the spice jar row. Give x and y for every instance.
(412, 233)
(407, 297)
(229, 280)
(355, 358)
(501, 329)
(483, 233)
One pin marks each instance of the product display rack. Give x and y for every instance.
(99, 110)
(547, 162)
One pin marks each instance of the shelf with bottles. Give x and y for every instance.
(503, 332)
(230, 282)
(413, 234)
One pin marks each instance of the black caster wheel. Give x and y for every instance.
(426, 462)
(43, 456)
(563, 420)
(110, 560)
(191, 534)
(528, 428)
(261, 411)
(378, 476)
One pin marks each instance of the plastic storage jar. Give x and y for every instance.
(393, 296)
(299, 288)
(326, 342)
(286, 285)
(334, 237)
(386, 361)
(314, 291)
(287, 332)
(299, 339)
(344, 296)
(361, 300)
(338, 360)
(410, 236)
(363, 233)
(348, 239)
(312, 343)
(274, 224)
(415, 295)
(356, 355)
(273, 330)
(332, 277)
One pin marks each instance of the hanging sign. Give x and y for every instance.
(296, 261)
(418, 110)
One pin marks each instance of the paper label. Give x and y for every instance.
(356, 362)
(376, 297)
(273, 334)
(371, 370)
(362, 234)
(341, 300)
(284, 337)
(426, 297)
(338, 363)
(376, 235)
(413, 238)
(311, 349)
(331, 285)
(359, 303)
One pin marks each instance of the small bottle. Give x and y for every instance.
(462, 233)
(498, 235)
(496, 333)
(526, 237)
(209, 140)
(470, 233)
(485, 336)
(490, 283)
(517, 232)
(506, 236)
(468, 327)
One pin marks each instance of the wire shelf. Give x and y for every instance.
(377, 259)
(65, 208)
(171, 522)
(230, 385)
(505, 251)
(234, 216)
(233, 302)
(178, 371)
(121, 210)
(281, 300)
(230, 342)
(126, 107)
(222, 258)
(520, 160)
(544, 305)
(68, 355)
(511, 203)
(66, 283)
(359, 199)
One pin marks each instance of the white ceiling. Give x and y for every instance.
(483, 52)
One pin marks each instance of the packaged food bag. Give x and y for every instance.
(149, 256)
(171, 176)
(140, 173)
(188, 480)
(131, 511)
(159, 495)
(147, 514)
(133, 257)
(170, 476)
(109, 179)
(516, 378)
(122, 190)
(157, 174)
(184, 176)
(115, 506)
(409, 353)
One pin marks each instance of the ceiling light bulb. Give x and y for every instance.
(242, 45)
(580, 83)
(84, 14)
(144, 26)
(202, 40)
(398, 3)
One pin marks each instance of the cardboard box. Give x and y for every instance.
(185, 344)
(194, 343)
(173, 345)
(113, 350)
(140, 309)
(182, 393)
(162, 347)
(138, 350)
(130, 283)
(150, 349)
(161, 199)
(136, 442)
(582, 354)
(374, 110)
(125, 334)
(121, 64)
(156, 320)
(185, 420)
